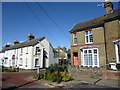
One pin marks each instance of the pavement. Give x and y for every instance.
(82, 82)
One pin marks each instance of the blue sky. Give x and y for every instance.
(52, 20)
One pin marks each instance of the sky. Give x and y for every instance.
(53, 20)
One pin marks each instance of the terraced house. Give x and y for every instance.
(96, 42)
(29, 54)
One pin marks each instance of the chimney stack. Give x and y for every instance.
(7, 45)
(16, 41)
(30, 36)
(108, 5)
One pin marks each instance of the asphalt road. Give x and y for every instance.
(20, 80)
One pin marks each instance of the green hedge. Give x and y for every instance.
(54, 76)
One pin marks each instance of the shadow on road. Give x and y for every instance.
(15, 87)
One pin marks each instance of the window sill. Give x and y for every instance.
(89, 44)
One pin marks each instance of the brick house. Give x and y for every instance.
(96, 42)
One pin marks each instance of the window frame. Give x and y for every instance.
(93, 57)
(37, 65)
(74, 37)
(88, 35)
(21, 62)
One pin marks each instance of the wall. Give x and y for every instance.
(112, 30)
(96, 72)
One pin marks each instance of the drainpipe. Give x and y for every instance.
(105, 44)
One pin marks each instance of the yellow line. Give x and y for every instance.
(43, 83)
(49, 85)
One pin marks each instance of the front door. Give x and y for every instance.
(75, 58)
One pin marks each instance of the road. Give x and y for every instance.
(20, 80)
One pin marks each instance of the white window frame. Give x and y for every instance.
(82, 58)
(117, 57)
(88, 35)
(74, 37)
(6, 60)
(36, 65)
(21, 62)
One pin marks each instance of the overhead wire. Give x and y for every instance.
(59, 28)
(37, 18)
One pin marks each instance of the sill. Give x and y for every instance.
(89, 44)
(36, 66)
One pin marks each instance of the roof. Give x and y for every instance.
(24, 44)
(96, 22)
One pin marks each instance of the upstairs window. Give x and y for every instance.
(21, 52)
(88, 37)
(37, 49)
(75, 39)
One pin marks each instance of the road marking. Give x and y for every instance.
(43, 84)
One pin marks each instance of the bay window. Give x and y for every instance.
(90, 57)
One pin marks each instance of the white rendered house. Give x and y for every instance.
(29, 54)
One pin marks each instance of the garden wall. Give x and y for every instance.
(95, 72)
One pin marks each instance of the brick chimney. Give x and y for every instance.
(7, 45)
(108, 5)
(16, 42)
(30, 36)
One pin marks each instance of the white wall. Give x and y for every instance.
(28, 56)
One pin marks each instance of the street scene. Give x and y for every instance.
(60, 45)
(24, 79)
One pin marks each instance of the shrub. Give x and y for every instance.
(52, 73)
(54, 78)
(9, 70)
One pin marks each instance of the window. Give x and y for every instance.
(37, 49)
(90, 57)
(15, 51)
(36, 62)
(74, 38)
(13, 61)
(21, 62)
(21, 51)
(5, 60)
(27, 50)
(88, 37)
(26, 63)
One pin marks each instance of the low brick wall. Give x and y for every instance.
(96, 72)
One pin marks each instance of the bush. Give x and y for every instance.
(56, 67)
(54, 78)
(9, 70)
(52, 73)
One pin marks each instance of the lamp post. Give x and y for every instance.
(38, 69)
